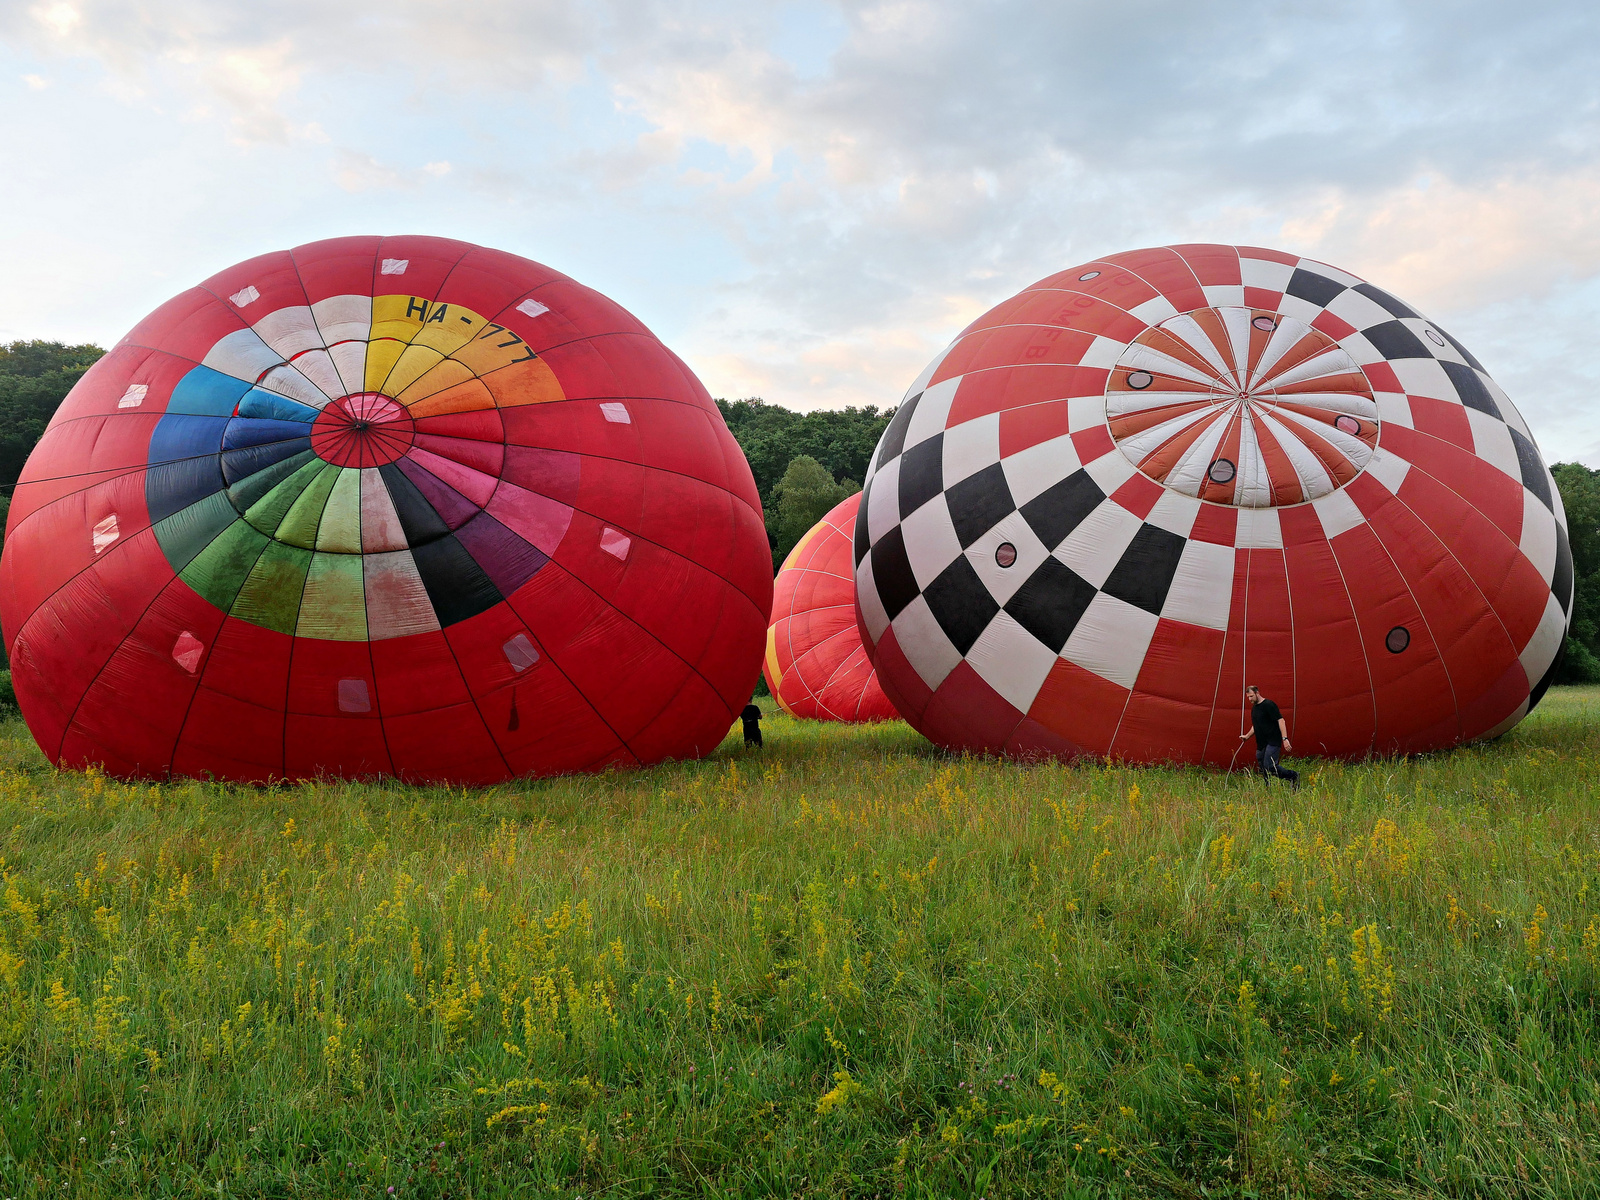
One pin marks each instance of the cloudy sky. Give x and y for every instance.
(808, 199)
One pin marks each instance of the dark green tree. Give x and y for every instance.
(1580, 496)
(35, 378)
(840, 440)
(799, 500)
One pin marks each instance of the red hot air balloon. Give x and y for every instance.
(384, 506)
(1142, 483)
(816, 666)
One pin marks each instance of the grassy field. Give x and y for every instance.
(844, 966)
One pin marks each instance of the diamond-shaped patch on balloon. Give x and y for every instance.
(187, 651)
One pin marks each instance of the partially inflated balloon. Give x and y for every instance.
(384, 506)
(1142, 483)
(816, 666)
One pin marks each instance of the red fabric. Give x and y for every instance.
(647, 622)
(1405, 632)
(816, 666)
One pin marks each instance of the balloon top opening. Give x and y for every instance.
(367, 429)
(1242, 406)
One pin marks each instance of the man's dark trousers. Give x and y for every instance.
(1269, 759)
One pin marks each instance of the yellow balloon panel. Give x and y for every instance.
(493, 349)
(381, 358)
(411, 366)
(447, 374)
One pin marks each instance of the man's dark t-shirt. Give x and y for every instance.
(1265, 715)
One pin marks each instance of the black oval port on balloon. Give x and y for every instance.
(1088, 275)
(1397, 639)
(1345, 423)
(1005, 554)
(1139, 380)
(1434, 336)
(1265, 324)
(1221, 471)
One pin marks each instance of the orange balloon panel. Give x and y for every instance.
(816, 666)
(1146, 481)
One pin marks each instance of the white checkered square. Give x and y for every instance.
(1338, 513)
(1362, 351)
(1103, 352)
(1538, 540)
(1174, 512)
(1358, 310)
(1011, 661)
(1040, 467)
(883, 500)
(1111, 639)
(1388, 469)
(1545, 643)
(1003, 582)
(1094, 548)
(924, 643)
(970, 447)
(1111, 470)
(873, 614)
(1202, 587)
(1086, 412)
(1394, 408)
(1154, 310)
(1258, 529)
(1491, 441)
(1263, 273)
(1424, 377)
(933, 410)
(931, 542)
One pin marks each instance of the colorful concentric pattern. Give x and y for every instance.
(401, 506)
(1142, 482)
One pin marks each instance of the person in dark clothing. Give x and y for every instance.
(1271, 732)
(751, 716)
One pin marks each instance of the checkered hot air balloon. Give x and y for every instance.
(1144, 482)
(384, 506)
(816, 666)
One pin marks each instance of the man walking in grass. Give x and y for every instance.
(1272, 736)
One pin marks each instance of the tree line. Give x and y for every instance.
(803, 463)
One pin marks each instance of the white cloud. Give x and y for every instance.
(58, 18)
(813, 227)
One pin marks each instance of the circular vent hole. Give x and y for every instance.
(1139, 380)
(1005, 554)
(1265, 324)
(1221, 471)
(1088, 275)
(1397, 639)
(1346, 424)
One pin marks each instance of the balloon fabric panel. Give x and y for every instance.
(815, 664)
(1150, 479)
(293, 509)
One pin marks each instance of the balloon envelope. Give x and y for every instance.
(384, 506)
(1142, 483)
(816, 666)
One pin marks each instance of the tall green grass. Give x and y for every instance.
(844, 966)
